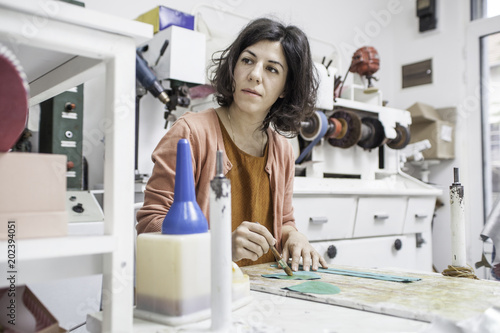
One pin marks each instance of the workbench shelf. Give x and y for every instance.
(77, 45)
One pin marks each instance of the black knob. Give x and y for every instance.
(69, 106)
(398, 244)
(331, 252)
(78, 208)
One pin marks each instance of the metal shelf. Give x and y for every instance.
(44, 259)
(77, 45)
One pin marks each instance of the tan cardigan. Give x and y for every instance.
(203, 132)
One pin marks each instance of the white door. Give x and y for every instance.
(481, 115)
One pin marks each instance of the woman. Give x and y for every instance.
(265, 85)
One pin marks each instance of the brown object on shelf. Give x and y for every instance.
(365, 61)
(30, 315)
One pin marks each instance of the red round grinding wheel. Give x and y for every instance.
(14, 92)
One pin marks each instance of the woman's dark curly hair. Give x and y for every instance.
(301, 85)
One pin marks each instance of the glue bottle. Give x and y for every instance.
(173, 267)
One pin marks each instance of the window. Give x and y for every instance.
(484, 9)
(491, 113)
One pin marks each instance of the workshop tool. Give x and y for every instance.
(316, 127)
(458, 267)
(176, 56)
(281, 262)
(372, 133)
(351, 129)
(457, 222)
(14, 93)
(313, 129)
(366, 132)
(220, 231)
(148, 79)
(402, 138)
(61, 132)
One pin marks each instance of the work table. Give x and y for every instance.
(363, 305)
(433, 295)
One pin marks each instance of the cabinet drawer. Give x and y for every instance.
(380, 216)
(398, 251)
(419, 214)
(324, 217)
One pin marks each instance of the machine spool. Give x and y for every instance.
(350, 129)
(336, 129)
(402, 138)
(372, 133)
(14, 94)
(313, 129)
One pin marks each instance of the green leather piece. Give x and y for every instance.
(368, 275)
(315, 287)
(301, 275)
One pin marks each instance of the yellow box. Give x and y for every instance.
(162, 17)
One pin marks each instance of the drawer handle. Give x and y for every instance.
(318, 220)
(381, 216)
(420, 216)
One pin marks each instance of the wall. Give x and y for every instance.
(446, 47)
(336, 29)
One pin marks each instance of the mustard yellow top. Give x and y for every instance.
(251, 198)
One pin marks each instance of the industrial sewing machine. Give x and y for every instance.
(351, 198)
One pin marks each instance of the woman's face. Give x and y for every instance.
(260, 77)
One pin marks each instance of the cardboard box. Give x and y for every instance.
(428, 124)
(163, 17)
(33, 195)
(27, 312)
(421, 112)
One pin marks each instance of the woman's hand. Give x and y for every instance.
(297, 245)
(250, 241)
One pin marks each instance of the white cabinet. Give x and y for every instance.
(355, 204)
(379, 216)
(324, 217)
(393, 251)
(419, 214)
(89, 44)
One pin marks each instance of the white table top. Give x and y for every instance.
(272, 313)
